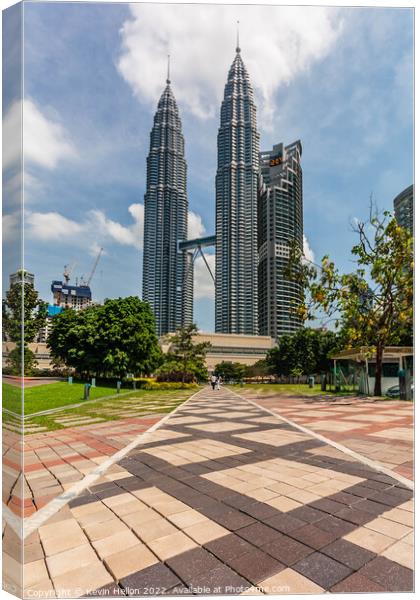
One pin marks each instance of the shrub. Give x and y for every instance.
(175, 376)
(169, 385)
(141, 382)
(54, 372)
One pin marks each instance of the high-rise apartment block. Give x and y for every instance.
(403, 207)
(21, 277)
(236, 206)
(167, 272)
(280, 223)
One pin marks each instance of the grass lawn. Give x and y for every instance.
(285, 389)
(12, 398)
(138, 404)
(51, 395)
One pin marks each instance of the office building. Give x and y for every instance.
(280, 222)
(243, 349)
(236, 206)
(403, 208)
(167, 271)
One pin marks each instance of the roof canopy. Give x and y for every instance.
(364, 352)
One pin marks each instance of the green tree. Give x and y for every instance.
(14, 360)
(108, 340)
(230, 370)
(280, 358)
(127, 340)
(24, 314)
(73, 339)
(373, 305)
(305, 352)
(185, 357)
(259, 369)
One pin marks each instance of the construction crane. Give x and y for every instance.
(67, 272)
(92, 273)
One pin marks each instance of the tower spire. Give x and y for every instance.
(168, 77)
(238, 49)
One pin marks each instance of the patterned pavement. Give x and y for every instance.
(224, 499)
(380, 430)
(86, 436)
(54, 461)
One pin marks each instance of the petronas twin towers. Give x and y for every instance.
(167, 263)
(236, 206)
(167, 279)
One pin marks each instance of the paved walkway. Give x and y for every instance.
(55, 460)
(225, 498)
(380, 430)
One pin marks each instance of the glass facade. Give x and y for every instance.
(236, 206)
(167, 272)
(403, 207)
(280, 222)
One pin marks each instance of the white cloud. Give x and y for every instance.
(196, 227)
(203, 282)
(45, 139)
(131, 235)
(307, 250)
(51, 226)
(11, 227)
(12, 135)
(278, 44)
(13, 188)
(97, 228)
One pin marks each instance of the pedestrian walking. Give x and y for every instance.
(218, 381)
(213, 380)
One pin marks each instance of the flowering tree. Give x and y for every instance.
(373, 305)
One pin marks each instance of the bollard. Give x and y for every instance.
(70, 380)
(86, 394)
(118, 387)
(93, 382)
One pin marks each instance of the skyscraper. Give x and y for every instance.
(167, 274)
(280, 222)
(403, 207)
(236, 206)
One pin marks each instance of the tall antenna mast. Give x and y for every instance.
(238, 49)
(168, 78)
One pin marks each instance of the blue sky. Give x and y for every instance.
(338, 79)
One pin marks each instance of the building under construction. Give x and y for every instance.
(71, 296)
(77, 296)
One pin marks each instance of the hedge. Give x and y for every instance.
(169, 385)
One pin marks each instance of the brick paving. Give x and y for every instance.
(249, 506)
(380, 430)
(55, 460)
(81, 440)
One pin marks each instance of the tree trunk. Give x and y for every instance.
(378, 371)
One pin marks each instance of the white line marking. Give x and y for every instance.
(35, 521)
(363, 459)
(13, 520)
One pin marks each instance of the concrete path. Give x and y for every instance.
(226, 498)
